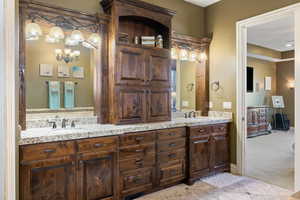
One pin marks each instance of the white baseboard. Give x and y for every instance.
(233, 169)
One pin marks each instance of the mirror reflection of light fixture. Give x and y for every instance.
(183, 54)
(56, 33)
(193, 56)
(50, 39)
(67, 55)
(202, 56)
(33, 31)
(174, 53)
(70, 42)
(94, 39)
(77, 36)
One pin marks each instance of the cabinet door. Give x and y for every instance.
(159, 67)
(130, 66)
(220, 151)
(48, 179)
(96, 176)
(159, 105)
(131, 105)
(200, 156)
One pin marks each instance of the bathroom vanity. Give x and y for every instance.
(119, 161)
(104, 131)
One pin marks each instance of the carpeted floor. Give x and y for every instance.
(222, 187)
(270, 158)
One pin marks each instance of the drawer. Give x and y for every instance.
(171, 172)
(137, 151)
(169, 134)
(47, 150)
(136, 181)
(220, 128)
(137, 163)
(97, 144)
(200, 130)
(171, 145)
(164, 158)
(137, 138)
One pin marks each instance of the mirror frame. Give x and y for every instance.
(97, 22)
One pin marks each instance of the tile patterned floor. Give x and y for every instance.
(222, 187)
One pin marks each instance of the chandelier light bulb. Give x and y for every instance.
(193, 56)
(94, 39)
(70, 42)
(56, 33)
(77, 36)
(202, 56)
(33, 31)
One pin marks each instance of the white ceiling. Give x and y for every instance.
(273, 35)
(202, 3)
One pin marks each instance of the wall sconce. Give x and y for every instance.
(202, 57)
(33, 31)
(184, 54)
(67, 55)
(291, 84)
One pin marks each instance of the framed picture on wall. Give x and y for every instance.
(63, 71)
(46, 70)
(78, 72)
(268, 83)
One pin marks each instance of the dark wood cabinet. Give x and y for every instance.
(139, 67)
(96, 176)
(208, 150)
(159, 105)
(48, 179)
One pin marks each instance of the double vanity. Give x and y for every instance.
(111, 162)
(97, 93)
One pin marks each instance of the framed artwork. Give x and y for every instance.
(278, 101)
(46, 70)
(78, 72)
(63, 71)
(268, 83)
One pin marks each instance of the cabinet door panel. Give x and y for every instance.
(131, 66)
(200, 155)
(131, 105)
(159, 107)
(159, 68)
(220, 151)
(95, 177)
(48, 179)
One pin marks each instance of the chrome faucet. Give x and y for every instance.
(64, 123)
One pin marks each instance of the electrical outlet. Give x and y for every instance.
(227, 105)
(185, 103)
(211, 104)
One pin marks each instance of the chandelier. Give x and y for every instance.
(67, 55)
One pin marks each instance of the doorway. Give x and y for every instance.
(244, 100)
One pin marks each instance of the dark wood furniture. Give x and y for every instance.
(84, 169)
(202, 71)
(113, 168)
(257, 121)
(208, 151)
(139, 76)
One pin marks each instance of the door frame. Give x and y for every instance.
(241, 63)
(8, 98)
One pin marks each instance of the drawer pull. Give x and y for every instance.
(49, 150)
(139, 150)
(139, 138)
(173, 155)
(97, 145)
(172, 144)
(201, 130)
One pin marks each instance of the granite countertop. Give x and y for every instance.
(43, 135)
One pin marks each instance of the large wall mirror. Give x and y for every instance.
(190, 74)
(60, 64)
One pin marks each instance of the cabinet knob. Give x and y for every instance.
(98, 145)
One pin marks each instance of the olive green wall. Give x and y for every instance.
(262, 69)
(221, 20)
(188, 20)
(285, 74)
(40, 52)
